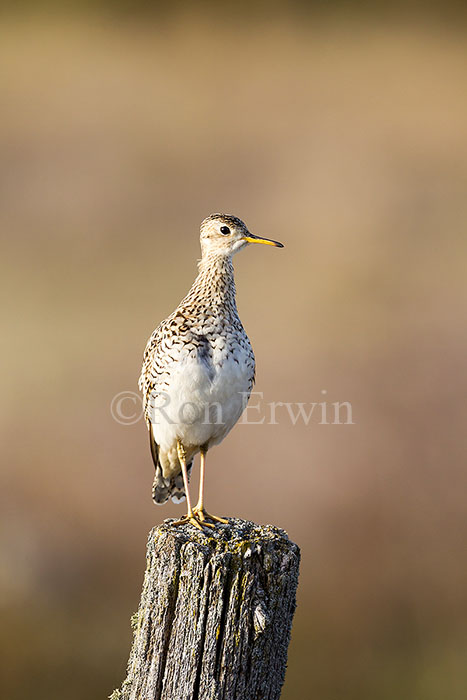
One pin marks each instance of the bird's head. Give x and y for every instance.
(224, 234)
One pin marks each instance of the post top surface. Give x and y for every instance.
(237, 533)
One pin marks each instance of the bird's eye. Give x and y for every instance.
(225, 230)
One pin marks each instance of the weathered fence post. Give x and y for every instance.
(215, 614)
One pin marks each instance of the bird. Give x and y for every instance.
(198, 370)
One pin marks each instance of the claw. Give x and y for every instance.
(203, 515)
(217, 519)
(192, 520)
(205, 524)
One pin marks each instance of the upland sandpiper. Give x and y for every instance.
(198, 369)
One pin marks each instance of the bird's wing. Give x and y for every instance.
(154, 375)
(167, 345)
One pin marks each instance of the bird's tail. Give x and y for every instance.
(165, 488)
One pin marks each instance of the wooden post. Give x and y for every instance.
(215, 614)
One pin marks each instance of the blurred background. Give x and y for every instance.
(340, 130)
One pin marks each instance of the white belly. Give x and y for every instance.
(202, 402)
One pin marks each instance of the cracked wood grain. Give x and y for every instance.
(215, 614)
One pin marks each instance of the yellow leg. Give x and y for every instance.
(199, 509)
(202, 470)
(190, 517)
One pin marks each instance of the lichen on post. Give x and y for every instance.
(215, 614)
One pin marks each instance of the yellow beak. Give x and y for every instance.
(267, 241)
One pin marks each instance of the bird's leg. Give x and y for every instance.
(199, 509)
(200, 505)
(190, 517)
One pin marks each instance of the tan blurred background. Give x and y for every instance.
(344, 136)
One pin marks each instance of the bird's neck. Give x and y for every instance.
(215, 283)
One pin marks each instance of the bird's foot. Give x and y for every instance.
(203, 515)
(193, 519)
